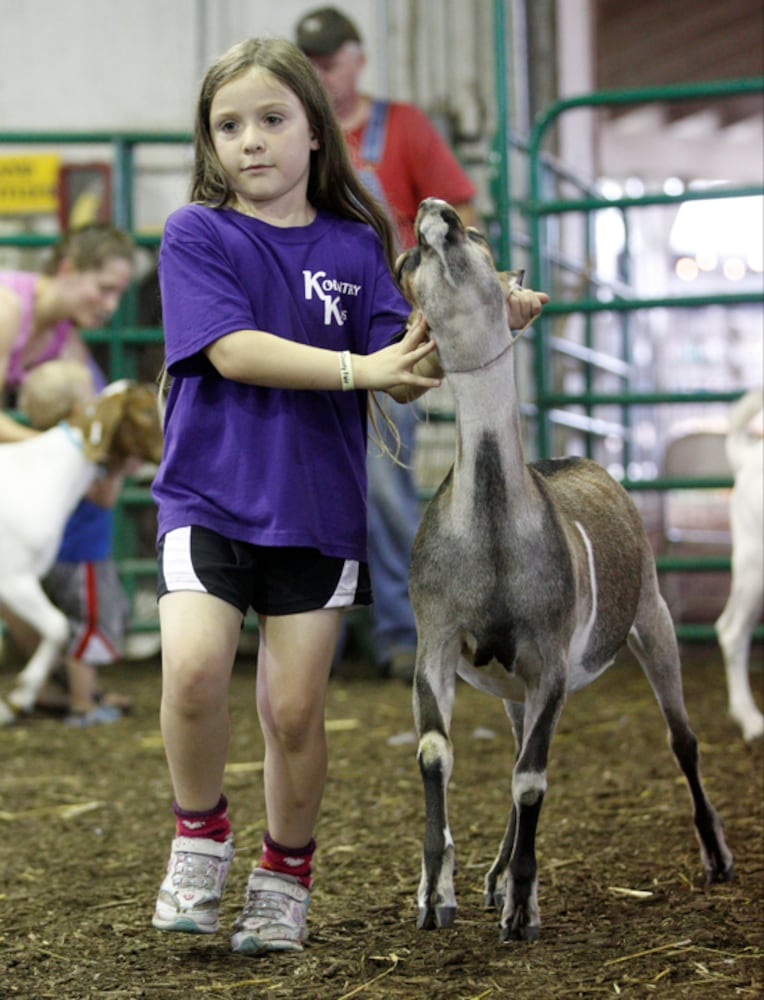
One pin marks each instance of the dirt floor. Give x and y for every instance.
(625, 912)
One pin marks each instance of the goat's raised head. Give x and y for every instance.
(451, 277)
(123, 423)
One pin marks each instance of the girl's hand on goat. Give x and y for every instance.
(523, 306)
(404, 369)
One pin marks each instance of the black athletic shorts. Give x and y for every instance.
(271, 580)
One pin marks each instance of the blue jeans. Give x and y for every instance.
(393, 519)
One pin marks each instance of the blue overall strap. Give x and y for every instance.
(370, 151)
(373, 138)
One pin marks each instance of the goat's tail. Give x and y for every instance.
(740, 435)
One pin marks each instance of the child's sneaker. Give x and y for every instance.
(189, 896)
(275, 914)
(101, 715)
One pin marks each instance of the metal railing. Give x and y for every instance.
(124, 339)
(542, 207)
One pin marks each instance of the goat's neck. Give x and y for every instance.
(56, 464)
(487, 411)
(80, 471)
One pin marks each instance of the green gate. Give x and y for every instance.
(124, 340)
(546, 408)
(542, 209)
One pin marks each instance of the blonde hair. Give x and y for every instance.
(52, 391)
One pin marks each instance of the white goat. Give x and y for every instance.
(525, 580)
(43, 480)
(742, 611)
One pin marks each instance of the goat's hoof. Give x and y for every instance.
(494, 900)
(431, 917)
(751, 725)
(517, 926)
(19, 702)
(509, 932)
(725, 874)
(753, 732)
(7, 715)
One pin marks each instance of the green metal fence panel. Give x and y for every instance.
(539, 207)
(124, 339)
(543, 206)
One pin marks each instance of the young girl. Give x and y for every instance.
(279, 313)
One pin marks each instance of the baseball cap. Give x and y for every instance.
(324, 30)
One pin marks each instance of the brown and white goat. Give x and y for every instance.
(525, 580)
(43, 480)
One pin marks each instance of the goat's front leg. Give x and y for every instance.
(26, 598)
(520, 918)
(653, 642)
(433, 696)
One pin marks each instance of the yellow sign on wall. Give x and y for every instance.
(29, 183)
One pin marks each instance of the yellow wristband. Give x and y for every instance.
(346, 371)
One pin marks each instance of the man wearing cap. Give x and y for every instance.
(402, 158)
(395, 146)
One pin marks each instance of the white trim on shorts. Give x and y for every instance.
(177, 567)
(345, 592)
(178, 573)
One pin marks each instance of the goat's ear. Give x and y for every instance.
(101, 425)
(405, 267)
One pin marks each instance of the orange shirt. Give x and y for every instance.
(415, 163)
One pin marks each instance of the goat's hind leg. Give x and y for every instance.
(433, 697)
(653, 642)
(26, 598)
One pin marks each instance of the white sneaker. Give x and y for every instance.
(275, 914)
(189, 896)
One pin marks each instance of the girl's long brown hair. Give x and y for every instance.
(332, 183)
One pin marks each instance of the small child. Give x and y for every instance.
(54, 391)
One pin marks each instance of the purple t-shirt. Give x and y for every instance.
(269, 466)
